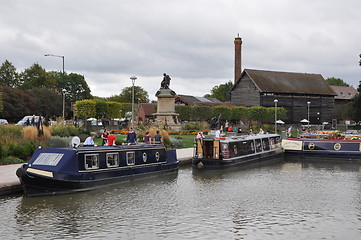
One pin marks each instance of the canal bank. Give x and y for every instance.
(10, 184)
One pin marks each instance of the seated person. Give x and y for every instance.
(89, 141)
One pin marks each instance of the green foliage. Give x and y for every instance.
(24, 150)
(85, 109)
(221, 92)
(336, 82)
(224, 111)
(140, 95)
(115, 109)
(176, 142)
(65, 130)
(1, 102)
(184, 112)
(35, 76)
(11, 160)
(195, 126)
(58, 142)
(239, 113)
(8, 75)
(356, 105)
(200, 113)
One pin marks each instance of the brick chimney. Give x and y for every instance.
(237, 58)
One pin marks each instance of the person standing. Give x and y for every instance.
(158, 138)
(131, 137)
(218, 133)
(105, 135)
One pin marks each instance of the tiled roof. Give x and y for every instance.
(344, 93)
(288, 82)
(191, 100)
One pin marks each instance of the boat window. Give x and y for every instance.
(91, 161)
(49, 159)
(225, 150)
(265, 144)
(235, 149)
(144, 157)
(258, 145)
(112, 159)
(157, 156)
(130, 158)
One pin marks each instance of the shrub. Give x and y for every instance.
(12, 160)
(30, 133)
(176, 142)
(57, 141)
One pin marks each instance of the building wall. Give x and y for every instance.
(320, 109)
(245, 93)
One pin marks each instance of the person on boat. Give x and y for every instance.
(250, 131)
(131, 136)
(105, 135)
(199, 136)
(158, 138)
(111, 140)
(261, 131)
(89, 141)
(146, 138)
(218, 133)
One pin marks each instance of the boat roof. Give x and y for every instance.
(247, 137)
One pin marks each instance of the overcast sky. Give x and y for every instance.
(190, 40)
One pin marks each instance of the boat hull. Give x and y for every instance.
(324, 148)
(252, 159)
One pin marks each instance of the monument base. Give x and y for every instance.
(168, 121)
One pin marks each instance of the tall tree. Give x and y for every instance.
(336, 82)
(356, 105)
(8, 75)
(221, 92)
(35, 76)
(140, 95)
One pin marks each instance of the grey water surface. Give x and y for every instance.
(285, 200)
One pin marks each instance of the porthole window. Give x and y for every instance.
(91, 161)
(144, 157)
(130, 158)
(112, 159)
(157, 156)
(311, 146)
(337, 146)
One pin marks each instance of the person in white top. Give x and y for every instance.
(89, 141)
(218, 133)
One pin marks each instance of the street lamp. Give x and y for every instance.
(275, 101)
(308, 112)
(63, 75)
(133, 78)
(64, 92)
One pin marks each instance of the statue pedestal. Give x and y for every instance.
(166, 117)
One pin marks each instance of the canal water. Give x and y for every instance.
(285, 200)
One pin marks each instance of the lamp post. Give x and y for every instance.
(308, 112)
(63, 75)
(64, 92)
(275, 101)
(133, 78)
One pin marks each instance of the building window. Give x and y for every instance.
(91, 161)
(130, 158)
(112, 159)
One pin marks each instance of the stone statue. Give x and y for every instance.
(165, 82)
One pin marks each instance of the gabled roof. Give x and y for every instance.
(191, 100)
(344, 93)
(148, 108)
(288, 82)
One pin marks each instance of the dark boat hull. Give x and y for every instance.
(36, 185)
(323, 148)
(252, 159)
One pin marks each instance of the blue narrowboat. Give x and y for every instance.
(220, 153)
(63, 170)
(320, 147)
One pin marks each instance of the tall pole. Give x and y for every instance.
(133, 78)
(275, 101)
(63, 77)
(308, 112)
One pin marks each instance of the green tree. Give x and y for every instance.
(200, 113)
(85, 108)
(140, 95)
(336, 82)
(42, 97)
(184, 112)
(1, 102)
(221, 92)
(8, 75)
(34, 77)
(356, 105)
